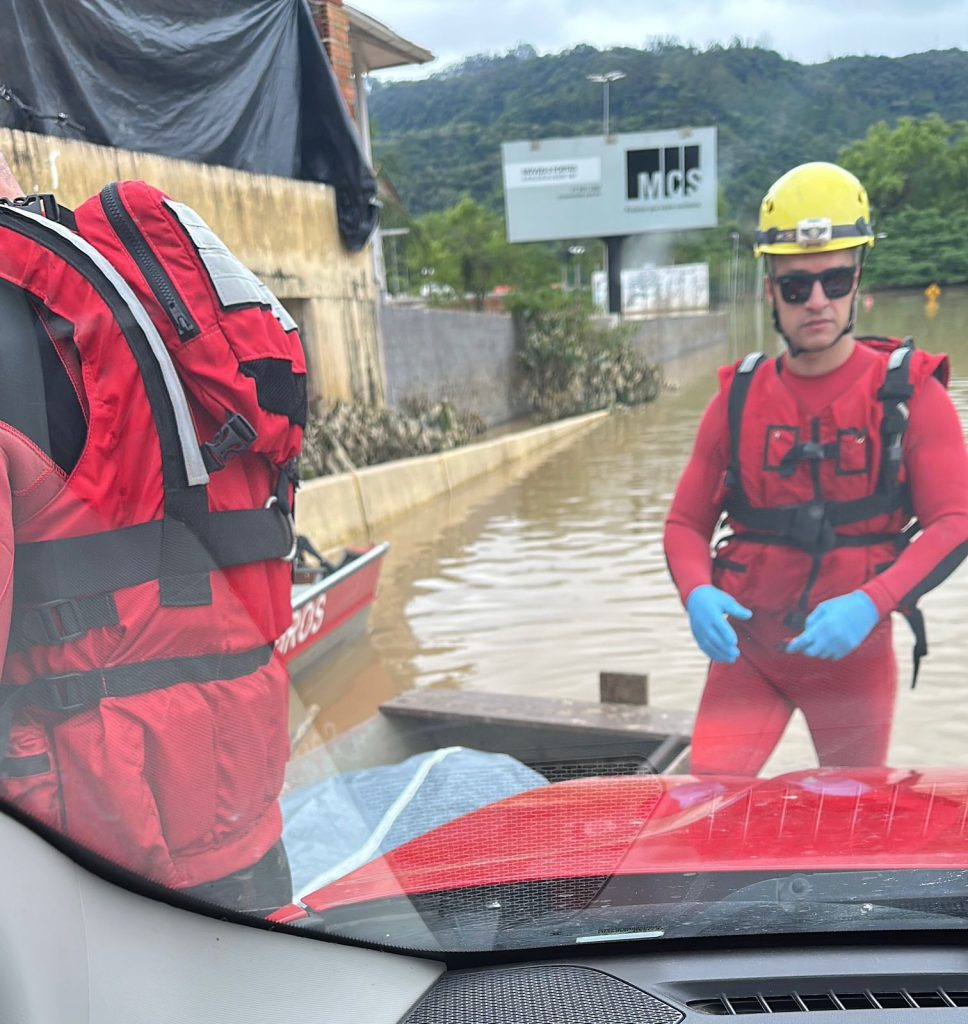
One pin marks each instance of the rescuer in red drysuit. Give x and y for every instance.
(185, 793)
(819, 459)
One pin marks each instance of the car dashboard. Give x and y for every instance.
(79, 948)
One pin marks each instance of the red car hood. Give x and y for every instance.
(822, 820)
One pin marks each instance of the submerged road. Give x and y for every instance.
(539, 577)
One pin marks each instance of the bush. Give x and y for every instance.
(570, 366)
(341, 436)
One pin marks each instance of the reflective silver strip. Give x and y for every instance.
(235, 284)
(897, 357)
(748, 365)
(191, 453)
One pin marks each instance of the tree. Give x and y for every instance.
(918, 163)
(916, 175)
(466, 248)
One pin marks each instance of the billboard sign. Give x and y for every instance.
(593, 187)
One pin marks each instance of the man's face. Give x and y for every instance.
(813, 325)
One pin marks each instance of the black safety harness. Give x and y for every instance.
(812, 526)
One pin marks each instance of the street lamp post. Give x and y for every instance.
(605, 81)
(734, 268)
(613, 243)
(577, 251)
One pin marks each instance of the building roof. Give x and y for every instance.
(375, 46)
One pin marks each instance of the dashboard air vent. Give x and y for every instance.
(805, 1002)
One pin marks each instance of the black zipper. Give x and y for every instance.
(154, 273)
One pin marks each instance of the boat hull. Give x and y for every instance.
(331, 610)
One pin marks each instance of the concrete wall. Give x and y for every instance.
(337, 510)
(285, 231)
(664, 339)
(467, 358)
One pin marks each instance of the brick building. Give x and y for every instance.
(358, 44)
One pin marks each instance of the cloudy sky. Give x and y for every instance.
(808, 31)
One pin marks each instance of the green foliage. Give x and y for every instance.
(442, 135)
(440, 138)
(570, 366)
(463, 250)
(914, 164)
(921, 246)
(916, 175)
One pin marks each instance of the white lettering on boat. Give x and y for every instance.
(307, 621)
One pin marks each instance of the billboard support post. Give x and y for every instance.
(613, 265)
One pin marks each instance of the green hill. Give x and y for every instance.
(439, 138)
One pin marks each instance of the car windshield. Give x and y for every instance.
(458, 501)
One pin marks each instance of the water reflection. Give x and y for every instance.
(539, 577)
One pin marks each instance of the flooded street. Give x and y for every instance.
(537, 578)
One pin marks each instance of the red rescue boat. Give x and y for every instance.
(330, 604)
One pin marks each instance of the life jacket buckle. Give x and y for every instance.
(811, 530)
(42, 203)
(232, 439)
(795, 620)
(813, 451)
(59, 622)
(69, 693)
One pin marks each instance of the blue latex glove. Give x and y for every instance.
(708, 607)
(836, 627)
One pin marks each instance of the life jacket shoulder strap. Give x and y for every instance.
(894, 394)
(735, 405)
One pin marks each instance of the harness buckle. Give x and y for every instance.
(896, 419)
(42, 203)
(808, 451)
(59, 622)
(811, 530)
(69, 693)
(232, 439)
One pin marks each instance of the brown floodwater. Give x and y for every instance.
(541, 576)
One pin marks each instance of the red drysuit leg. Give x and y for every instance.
(848, 704)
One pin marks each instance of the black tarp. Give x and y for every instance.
(241, 83)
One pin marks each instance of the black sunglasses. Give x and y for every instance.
(796, 288)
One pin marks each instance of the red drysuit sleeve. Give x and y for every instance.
(697, 503)
(937, 467)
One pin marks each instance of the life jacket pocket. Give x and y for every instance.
(779, 445)
(853, 452)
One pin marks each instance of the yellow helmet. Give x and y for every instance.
(816, 207)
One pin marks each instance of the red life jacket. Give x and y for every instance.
(143, 710)
(817, 506)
